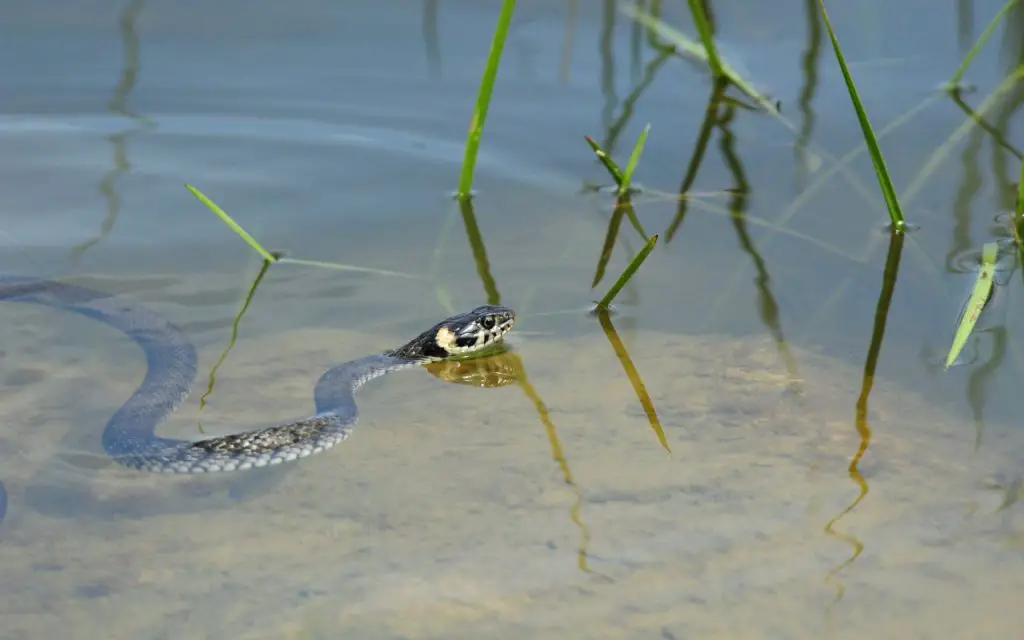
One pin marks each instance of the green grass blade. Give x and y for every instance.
(707, 37)
(958, 76)
(483, 100)
(212, 206)
(606, 160)
(975, 304)
(634, 160)
(892, 202)
(628, 273)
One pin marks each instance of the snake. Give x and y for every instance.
(130, 437)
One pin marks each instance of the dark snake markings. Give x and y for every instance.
(130, 435)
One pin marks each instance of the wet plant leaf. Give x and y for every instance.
(981, 292)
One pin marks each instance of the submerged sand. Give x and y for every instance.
(447, 514)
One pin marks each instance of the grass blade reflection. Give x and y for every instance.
(234, 338)
(476, 244)
(558, 454)
(889, 277)
(634, 376)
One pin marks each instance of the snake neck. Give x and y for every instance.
(336, 387)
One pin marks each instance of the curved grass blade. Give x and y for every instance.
(892, 202)
(981, 293)
(627, 274)
(237, 228)
(483, 100)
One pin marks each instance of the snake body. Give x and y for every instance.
(130, 435)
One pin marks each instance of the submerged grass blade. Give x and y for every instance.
(892, 202)
(980, 294)
(954, 83)
(628, 273)
(483, 100)
(212, 206)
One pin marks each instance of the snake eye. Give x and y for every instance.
(488, 322)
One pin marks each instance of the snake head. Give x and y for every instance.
(475, 330)
(459, 335)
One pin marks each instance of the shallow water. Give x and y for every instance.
(549, 510)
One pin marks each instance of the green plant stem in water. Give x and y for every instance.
(707, 37)
(634, 160)
(627, 274)
(622, 180)
(483, 101)
(892, 202)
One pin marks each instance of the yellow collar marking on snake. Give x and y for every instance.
(445, 339)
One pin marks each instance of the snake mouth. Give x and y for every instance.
(480, 338)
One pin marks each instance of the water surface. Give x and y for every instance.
(549, 510)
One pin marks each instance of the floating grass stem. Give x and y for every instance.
(892, 202)
(276, 257)
(483, 100)
(606, 301)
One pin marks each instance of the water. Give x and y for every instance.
(335, 133)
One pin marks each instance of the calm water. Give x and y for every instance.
(334, 131)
